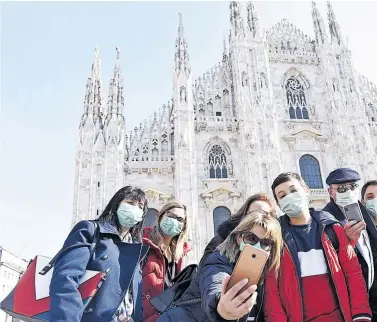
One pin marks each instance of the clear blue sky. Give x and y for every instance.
(46, 56)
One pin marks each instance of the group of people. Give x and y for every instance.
(321, 267)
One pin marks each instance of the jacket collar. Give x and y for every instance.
(225, 229)
(106, 227)
(322, 217)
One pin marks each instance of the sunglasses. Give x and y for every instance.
(344, 188)
(174, 216)
(252, 239)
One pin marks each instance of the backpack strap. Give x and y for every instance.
(331, 234)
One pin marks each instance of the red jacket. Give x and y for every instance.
(154, 274)
(283, 299)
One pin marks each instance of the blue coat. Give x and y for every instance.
(205, 286)
(121, 260)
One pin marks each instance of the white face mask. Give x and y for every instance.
(294, 204)
(346, 198)
(371, 206)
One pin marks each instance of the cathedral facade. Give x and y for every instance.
(277, 101)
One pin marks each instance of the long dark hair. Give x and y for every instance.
(242, 212)
(126, 193)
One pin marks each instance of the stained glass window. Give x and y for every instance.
(217, 163)
(311, 172)
(296, 100)
(220, 214)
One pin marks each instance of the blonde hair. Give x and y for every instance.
(177, 242)
(230, 247)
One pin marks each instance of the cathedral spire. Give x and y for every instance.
(319, 26)
(236, 20)
(225, 50)
(252, 19)
(93, 97)
(182, 61)
(333, 25)
(115, 101)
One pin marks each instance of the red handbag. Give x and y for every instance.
(30, 300)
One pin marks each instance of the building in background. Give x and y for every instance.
(277, 101)
(11, 269)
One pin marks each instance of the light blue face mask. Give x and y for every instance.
(129, 215)
(170, 227)
(242, 245)
(294, 204)
(371, 206)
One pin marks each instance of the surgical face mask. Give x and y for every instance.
(294, 204)
(129, 215)
(371, 205)
(347, 198)
(257, 245)
(170, 227)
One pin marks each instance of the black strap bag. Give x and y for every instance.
(181, 282)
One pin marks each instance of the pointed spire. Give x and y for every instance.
(236, 20)
(225, 50)
(93, 97)
(333, 24)
(252, 19)
(115, 101)
(319, 26)
(182, 61)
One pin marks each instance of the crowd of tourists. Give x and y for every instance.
(320, 267)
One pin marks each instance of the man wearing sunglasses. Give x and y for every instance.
(344, 191)
(320, 279)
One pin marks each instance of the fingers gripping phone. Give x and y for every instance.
(250, 265)
(353, 212)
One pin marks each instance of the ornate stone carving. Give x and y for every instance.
(183, 94)
(312, 109)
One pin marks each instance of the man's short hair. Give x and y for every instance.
(365, 187)
(284, 177)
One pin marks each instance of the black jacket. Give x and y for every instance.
(333, 209)
(223, 232)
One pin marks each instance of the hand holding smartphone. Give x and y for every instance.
(353, 212)
(250, 265)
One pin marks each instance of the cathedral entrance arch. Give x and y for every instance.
(150, 218)
(220, 214)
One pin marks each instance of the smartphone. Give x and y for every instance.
(250, 265)
(353, 212)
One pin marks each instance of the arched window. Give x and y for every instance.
(150, 219)
(296, 99)
(217, 163)
(311, 172)
(220, 214)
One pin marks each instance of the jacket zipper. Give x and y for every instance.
(331, 272)
(298, 283)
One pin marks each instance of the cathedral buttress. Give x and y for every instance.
(254, 100)
(114, 133)
(185, 173)
(349, 128)
(90, 130)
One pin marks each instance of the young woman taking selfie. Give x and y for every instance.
(207, 298)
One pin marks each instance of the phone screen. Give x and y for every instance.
(353, 212)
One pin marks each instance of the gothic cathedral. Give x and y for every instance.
(278, 101)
